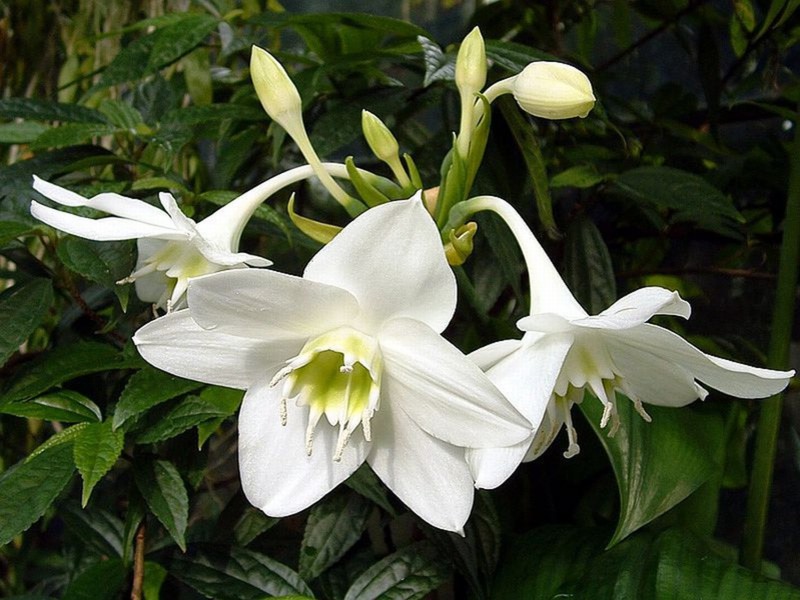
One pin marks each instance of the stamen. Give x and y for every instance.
(313, 419)
(344, 437)
(637, 404)
(284, 412)
(280, 375)
(365, 425)
(346, 369)
(147, 268)
(572, 435)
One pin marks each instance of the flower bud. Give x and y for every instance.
(381, 141)
(275, 89)
(553, 90)
(471, 64)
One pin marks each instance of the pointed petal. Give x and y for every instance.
(177, 345)
(443, 391)
(228, 258)
(492, 466)
(277, 475)
(544, 323)
(735, 379)
(179, 220)
(268, 305)
(392, 260)
(490, 355)
(113, 204)
(637, 308)
(430, 476)
(104, 229)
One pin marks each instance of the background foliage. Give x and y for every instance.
(118, 479)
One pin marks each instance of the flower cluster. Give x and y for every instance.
(347, 364)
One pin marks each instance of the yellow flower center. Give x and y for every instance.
(337, 374)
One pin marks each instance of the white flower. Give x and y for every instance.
(356, 341)
(553, 90)
(172, 247)
(565, 351)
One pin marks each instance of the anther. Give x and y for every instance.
(284, 412)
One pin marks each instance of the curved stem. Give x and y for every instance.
(549, 293)
(778, 358)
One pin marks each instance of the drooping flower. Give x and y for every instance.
(344, 365)
(172, 248)
(564, 351)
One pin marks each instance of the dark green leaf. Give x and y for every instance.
(227, 402)
(147, 388)
(62, 364)
(97, 528)
(187, 413)
(102, 262)
(197, 115)
(154, 576)
(72, 134)
(589, 273)
(121, 114)
(365, 482)
(101, 581)
(237, 574)
(580, 176)
(10, 230)
(438, 65)
(250, 525)
(176, 39)
(410, 573)
(59, 405)
(333, 526)
(96, 450)
(513, 57)
(22, 308)
(45, 110)
(657, 464)
(162, 488)
(28, 488)
(23, 132)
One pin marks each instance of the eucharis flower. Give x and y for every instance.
(344, 365)
(565, 351)
(172, 247)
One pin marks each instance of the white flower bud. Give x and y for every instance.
(471, 64)
(553, 90)
(275, 89)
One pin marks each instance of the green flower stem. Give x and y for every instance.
(778, 358)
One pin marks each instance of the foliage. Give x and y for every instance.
(678, 178)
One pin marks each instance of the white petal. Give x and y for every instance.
(113, 204)
(430, 476)
(391, 259)
(490, 467)
(104, 229)
(443, 391)
(490, 355)
(180, 221)
(277, 474)
(735, 379)
(545, 323)
(228, 258)
(177, 345)
(268, 305)
(637, 308)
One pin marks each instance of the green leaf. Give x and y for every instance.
(147, 388)
(410, 573)
(59, 405)
(177, 39)
(23, 132)
(162, 488)
(513, 57)
(656, 464)
(45, 110)
(251, 524)
(64, 436)
(186, 413)
(62, 364)
(365, 482)
(333, 526)
(689, 195)
(22, 308)
(101, 581)
(588, 271)
(154, 576)
(28, 488)
(96, 450)
(227, 402)
(10, 230)
(199, 115)
(438, 65)
(580, 176)
(96, 528)
(72, 134)
(101, 262)
(121, 114)
(237, 574)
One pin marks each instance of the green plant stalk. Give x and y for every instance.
(778, 357)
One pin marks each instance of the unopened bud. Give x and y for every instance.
(275, 89)
(380, 139)
(471, 64)
(460, 244)
(553, 90)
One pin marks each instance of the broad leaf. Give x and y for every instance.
(409, 573)
(102, 581)
(99, 529)
(176, 39)
(438, 65)
(579, 176)
(162, 488)
(60, 405)
(237, 574)
(656, 464)
(45, 110)
(333, 526)
(102, 262)
(72, 134)
(365, 482)
(147, 388)
(28, 488)
(96, 450)
(513, 57)
(588, 271)
(185, 414)
(22, 308)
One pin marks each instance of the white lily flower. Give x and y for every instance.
(172, 248)
(355, 340)
(565, 351)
